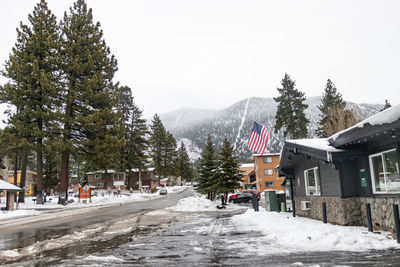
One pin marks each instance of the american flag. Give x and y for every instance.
(258, 138)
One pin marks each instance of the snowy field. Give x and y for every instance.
(294, 234)
(30, 208)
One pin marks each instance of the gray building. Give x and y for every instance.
(354, 167)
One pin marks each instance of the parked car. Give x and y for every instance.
(233, 196)
(163, 191)
(244, 196)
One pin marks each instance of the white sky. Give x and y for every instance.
(210, 54)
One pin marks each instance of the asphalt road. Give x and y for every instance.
(22, 233)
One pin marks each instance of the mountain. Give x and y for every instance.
(192, 126)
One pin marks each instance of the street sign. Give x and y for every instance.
(118, 183)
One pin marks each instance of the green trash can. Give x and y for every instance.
(271, 201)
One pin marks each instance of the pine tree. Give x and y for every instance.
(91, 125)
(185, 169)
(32, 70)
(387, 105)
(331, 98)
(228, 175)
(157, 141)
(206, 180)
(290, 112)
(134, 152)
(169, 156)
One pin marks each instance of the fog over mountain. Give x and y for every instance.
(192, 126)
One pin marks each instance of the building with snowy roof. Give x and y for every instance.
(355, 167)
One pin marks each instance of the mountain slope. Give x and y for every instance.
(236, 122)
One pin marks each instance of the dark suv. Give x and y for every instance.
(245, 196)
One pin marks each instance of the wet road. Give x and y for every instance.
(22, 235)
(173, 238)
(211, 240)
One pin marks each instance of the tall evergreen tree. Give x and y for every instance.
(228, 175)
(331, 98)
(134, 152)
(206, 180)
(157, 140)
(169, 156)
(90, 121)
(32, 70)
(290, 112)
(185, 169)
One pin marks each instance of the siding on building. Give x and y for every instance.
(261, 178)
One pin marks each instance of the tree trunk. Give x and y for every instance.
(63, 199)
(64, 172)
(39, 166)
(15, 173)
(140, 180)
(24, 163)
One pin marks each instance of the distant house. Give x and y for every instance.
(106, 180)
(30, 181)
(248, 176)
(266, 175)
(354, 167)
(148, 178)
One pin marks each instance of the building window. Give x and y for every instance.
(268, 172)
(100, 185)
(269, 184)
(252, 178)
(98, 176)
(267, 159)
(311, 177)
(385, 172)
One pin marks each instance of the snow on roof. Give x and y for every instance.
(384, 117)
(318, 143)
(246, 165)
(266, 154)
(108, 171)
(147, 170)
(7, 186)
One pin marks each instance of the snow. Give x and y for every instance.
(247, 165)
(17, 213)
(241, 123)
(103, 259)
(7, 186)
(201, 203)
(384, 117)
(297, 234)
(317, 143)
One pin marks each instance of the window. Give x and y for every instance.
(100, 185)
(267, 159)
(269, 184)
(252, 178)
(268, 172)
(98, 176)
(311, 177)
(385, 172)
(305, 205)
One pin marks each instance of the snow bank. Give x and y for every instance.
(17, 213)
(201, 203)
(296, 234)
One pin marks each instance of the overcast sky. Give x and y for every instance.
(210, 54)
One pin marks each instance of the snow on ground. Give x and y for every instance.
(17, 213)
(201, 203)
(27, 208)
(283, 233)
